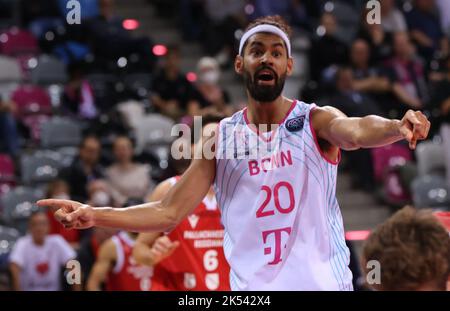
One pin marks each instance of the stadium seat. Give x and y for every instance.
(431, 191)
(31, 100)
(430, 158)
(49, 70)
(18, 205)
(16, 41)
(8, 237)
(10, 71)
(153, 129)
(60, 132)
(40, 167)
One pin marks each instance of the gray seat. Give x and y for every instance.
(8, 237)
(60, 132)
(49, 70)
(10, 71)
(153, 129)
(40, 167)
(431, 191)
(18, 205)
(430, 158)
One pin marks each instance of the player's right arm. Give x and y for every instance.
(150, 248)
(106, 258)
(157, 216)
(15, 276)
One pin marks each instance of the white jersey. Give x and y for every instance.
(277, 194)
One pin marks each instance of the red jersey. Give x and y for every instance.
(126, 274)
(199, 262)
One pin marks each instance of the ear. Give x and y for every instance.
(239, 64)
(290, 66)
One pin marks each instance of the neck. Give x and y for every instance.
(38, 241)
(271, 113)
(124, 165)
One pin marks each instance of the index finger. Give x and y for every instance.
(67, 205)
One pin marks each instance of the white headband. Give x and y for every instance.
(265, 28)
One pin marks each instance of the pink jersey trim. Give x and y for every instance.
(255, 130)
(336, 162)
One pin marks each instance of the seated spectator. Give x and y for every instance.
(392, 19)
(211, 97)
(84, 168)
(327, 49)
(407, 74)
(111, 40)
(413, 251)
(379, 40)
(356, 104)
(172, 93)
(59, 189)
(367, 78)
(78, 98)
(128, 180)
(38, 258)
(224, 18)
(425, 27)
(441, 96)
(9, 142)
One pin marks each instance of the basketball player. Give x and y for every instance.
(275, 186)
(199, 262)
(117, 269)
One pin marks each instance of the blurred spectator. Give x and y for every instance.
(211, 97)
(100, 193)
(367, 78)
(111, 40)
(425, 27)
(326, 49)
(441, 96)
(223, 17)
(9, 142)
(407, 73)
(78, 98)
(115, 268)
(127, 179)
(356, 104)
(413, 250)
(83, 169)
(59, 189)
(378, 39)
(172, 93)
(38, 259)
(89, 248)
(392, 20)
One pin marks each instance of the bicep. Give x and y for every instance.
(333, 126)
(192, 187)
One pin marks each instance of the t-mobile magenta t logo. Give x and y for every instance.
(268, 250)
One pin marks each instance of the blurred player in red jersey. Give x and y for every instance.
(198, 263)
(116, 268)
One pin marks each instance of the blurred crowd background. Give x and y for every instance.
(86, 110)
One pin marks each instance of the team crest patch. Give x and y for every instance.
(295, 124)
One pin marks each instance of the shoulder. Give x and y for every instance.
(57, 239)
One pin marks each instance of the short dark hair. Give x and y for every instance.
(274, 20)
(413, 249)
(87, 137)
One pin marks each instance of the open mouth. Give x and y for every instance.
(265, 76)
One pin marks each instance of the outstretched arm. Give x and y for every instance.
(150, 248)
(371, 131)
(154, 216)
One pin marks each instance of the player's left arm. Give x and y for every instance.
(346, 133)
(106, 257)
